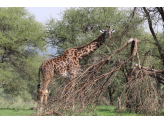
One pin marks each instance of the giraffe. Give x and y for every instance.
(68, 62)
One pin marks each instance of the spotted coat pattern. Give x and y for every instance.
(68, 62)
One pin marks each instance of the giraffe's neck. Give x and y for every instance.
(90, 47)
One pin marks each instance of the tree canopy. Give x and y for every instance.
(21, 38)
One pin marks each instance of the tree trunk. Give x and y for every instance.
(153, 34)
(158, 90)
(119, 104)
(111, 94)
(160, 9)
(129, 78)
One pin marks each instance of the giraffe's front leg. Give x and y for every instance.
(73, 96)
(73, 70)
(73, 89)
(45, 98)
(41, 102)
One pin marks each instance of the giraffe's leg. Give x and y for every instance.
(73, 70)
(41, 102)
(43, 95)
(73, 90)
(45, 99)
(73, 96)
(43, 90)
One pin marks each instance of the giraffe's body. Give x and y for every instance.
(68, 62)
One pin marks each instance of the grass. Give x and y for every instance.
(112, 111)
(103, 110)
(15, 112)
(99, 111)
(16, 107)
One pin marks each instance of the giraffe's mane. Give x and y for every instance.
(88, 43)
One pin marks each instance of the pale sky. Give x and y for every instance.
(42, 14)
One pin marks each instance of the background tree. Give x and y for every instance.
(21, 37)
(155, 18)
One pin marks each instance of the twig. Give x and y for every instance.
(51, 112)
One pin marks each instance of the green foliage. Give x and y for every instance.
(21, 38)
(21, 79)
(78, 26)
(20, 34)
(14, 106)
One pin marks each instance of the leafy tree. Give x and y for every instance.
(21, 37)
(20, 34)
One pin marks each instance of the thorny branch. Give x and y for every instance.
(90, 86)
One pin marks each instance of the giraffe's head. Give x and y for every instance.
(107, 32)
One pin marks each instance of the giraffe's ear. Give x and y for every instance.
(102, 31)
(113, 30)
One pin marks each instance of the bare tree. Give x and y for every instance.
(158, 14)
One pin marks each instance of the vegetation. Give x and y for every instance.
(22, 39)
